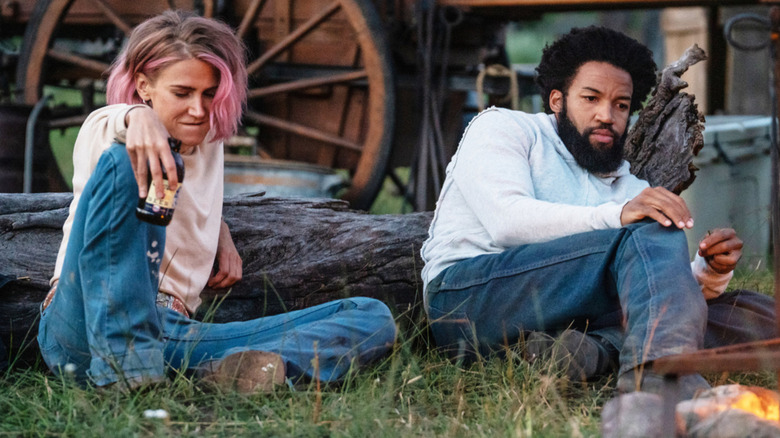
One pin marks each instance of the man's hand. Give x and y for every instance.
(721, 249)
(658, 204)
(229, 263)
(147, 141)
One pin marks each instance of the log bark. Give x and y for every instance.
(296, 253)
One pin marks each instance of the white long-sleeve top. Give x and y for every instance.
(191, 237)
(513, 182)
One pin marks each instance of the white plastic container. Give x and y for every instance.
(733, 184)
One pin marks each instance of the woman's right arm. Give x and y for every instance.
(147, 141)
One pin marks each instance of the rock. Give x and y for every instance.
(636, 414)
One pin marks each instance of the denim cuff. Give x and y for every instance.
(136, 365)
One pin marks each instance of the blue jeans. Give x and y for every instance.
(642, 270)
(105, 322)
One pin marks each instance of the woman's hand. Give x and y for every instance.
(229, 263)
(147, 142)
(721, 249)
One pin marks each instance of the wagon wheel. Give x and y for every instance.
(332, 111)
(321, 87)
(69, 42)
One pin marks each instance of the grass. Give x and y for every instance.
(413, 392)
(409, 394)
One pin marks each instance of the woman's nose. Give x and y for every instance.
(197, 108)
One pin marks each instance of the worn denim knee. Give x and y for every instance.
(103, 318)
(486, 303)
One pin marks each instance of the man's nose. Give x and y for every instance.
(605, 114)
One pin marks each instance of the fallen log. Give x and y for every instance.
(296, 253)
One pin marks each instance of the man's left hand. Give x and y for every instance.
(721, 249)
(229, 264)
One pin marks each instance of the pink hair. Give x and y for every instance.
(175, 36)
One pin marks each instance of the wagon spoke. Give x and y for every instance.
(80, 61)
(296, 35)
(305, 131)
(249, 16)
(302, 84)
(111, 14)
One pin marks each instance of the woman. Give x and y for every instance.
(124, 288)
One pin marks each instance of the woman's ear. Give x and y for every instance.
(556, 101)
(142, 84)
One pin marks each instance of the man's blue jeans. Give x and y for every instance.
(642, 270)
(105, 322)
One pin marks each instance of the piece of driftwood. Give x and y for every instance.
(668, 133)
(296, 253)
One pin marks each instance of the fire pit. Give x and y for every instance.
(724, 411)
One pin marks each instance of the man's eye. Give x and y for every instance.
(180, 94)
(590, 98)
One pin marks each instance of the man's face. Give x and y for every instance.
(593, 115)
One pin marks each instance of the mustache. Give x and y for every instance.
(602, 126)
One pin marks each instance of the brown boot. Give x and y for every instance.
(246, 372)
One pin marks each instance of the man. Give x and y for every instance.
(540, 227)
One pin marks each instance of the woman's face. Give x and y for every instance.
(181, 95)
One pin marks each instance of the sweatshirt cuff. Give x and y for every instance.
(610, 214)
(120, 127)
(712, 283)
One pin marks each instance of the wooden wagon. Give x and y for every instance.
(338, 84)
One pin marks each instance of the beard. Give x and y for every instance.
(587, 156)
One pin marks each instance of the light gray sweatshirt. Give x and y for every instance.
(513, 182)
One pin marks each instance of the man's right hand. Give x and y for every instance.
(147, 141)
(658, 204)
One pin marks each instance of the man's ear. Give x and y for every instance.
(556, 101)
(142, 84)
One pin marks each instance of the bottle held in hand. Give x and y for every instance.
(159, 211)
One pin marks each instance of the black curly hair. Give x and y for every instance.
(562, 59)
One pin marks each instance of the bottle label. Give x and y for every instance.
(168, 201)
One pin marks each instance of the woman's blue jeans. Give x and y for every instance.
(105, 322)
(483, 304)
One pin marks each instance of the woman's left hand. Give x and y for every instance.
(229, 264)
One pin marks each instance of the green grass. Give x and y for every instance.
(409, 394)
(413, 392)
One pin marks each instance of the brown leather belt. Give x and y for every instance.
(163, 300)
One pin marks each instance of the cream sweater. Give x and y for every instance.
(192, 235)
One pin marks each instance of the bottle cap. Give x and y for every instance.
(174, 143)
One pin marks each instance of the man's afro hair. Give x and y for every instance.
(562, 59)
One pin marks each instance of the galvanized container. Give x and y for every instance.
(733, 186)
(252, 175)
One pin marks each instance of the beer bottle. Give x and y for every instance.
(159, 211)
